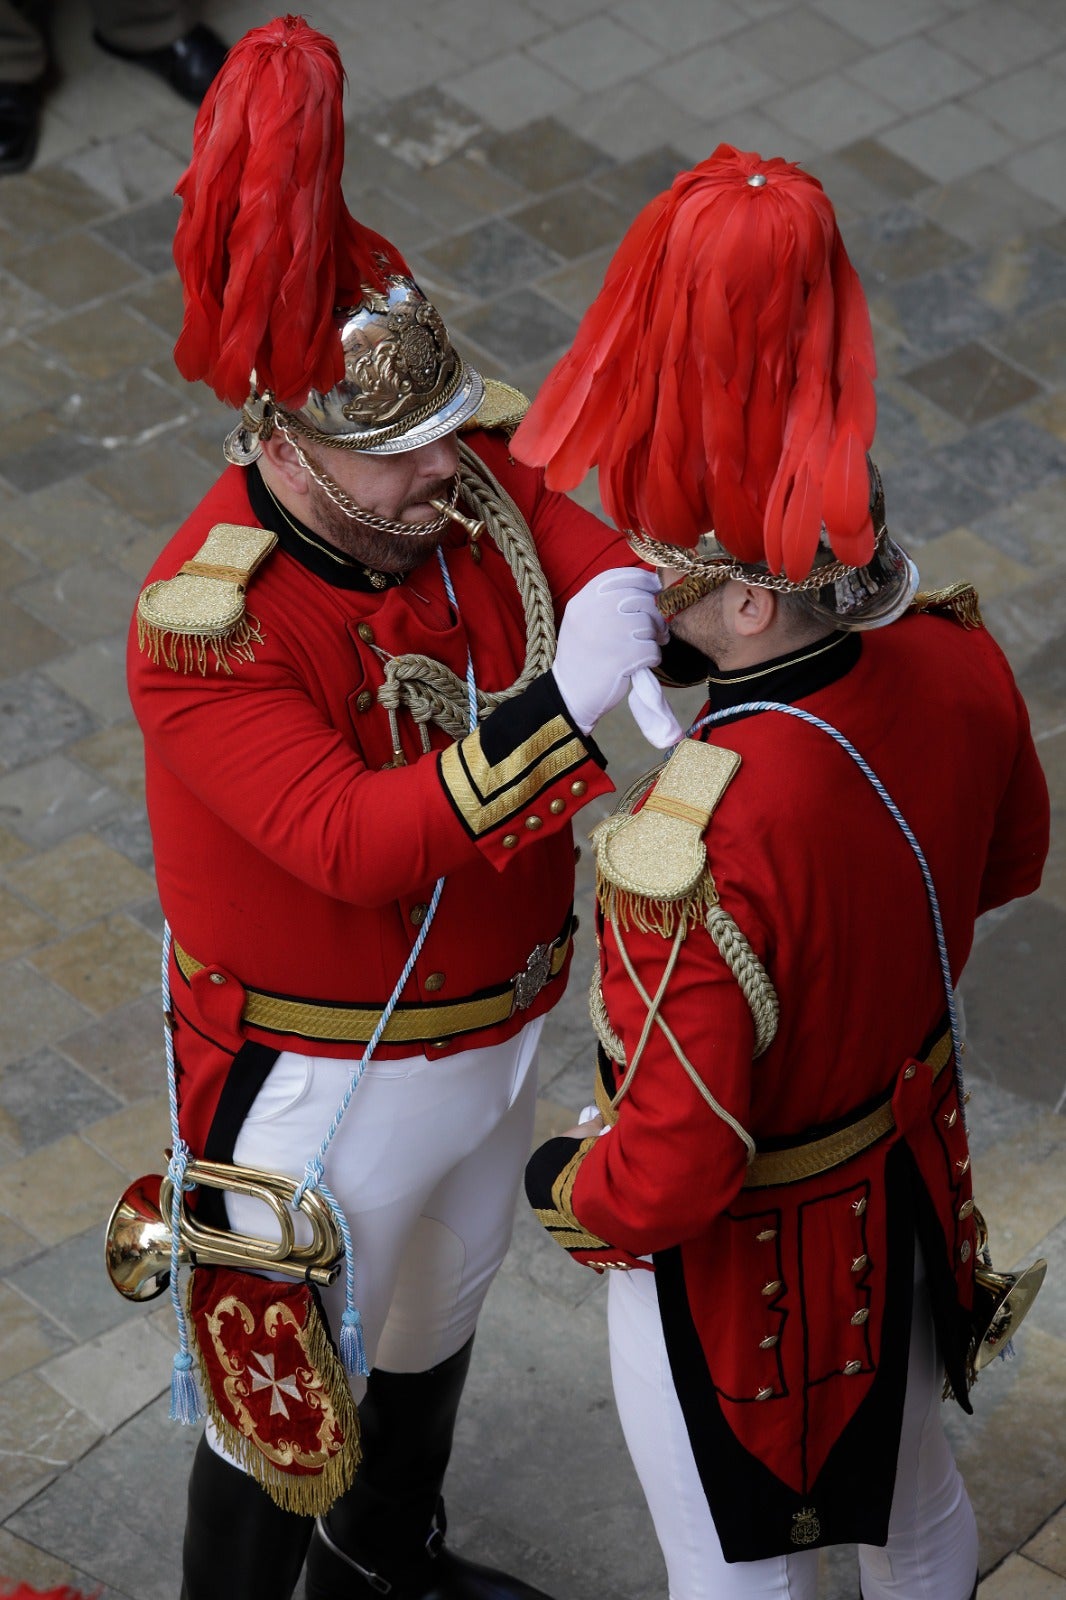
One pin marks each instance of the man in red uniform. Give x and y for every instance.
(780, 1160)
(362, 772)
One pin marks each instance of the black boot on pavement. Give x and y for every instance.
(238, 1544)
(187, 66)
(20, 123)
(385, 1535)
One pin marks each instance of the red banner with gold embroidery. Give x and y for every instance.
(276, 1389)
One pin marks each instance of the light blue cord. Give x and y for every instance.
(868, 772)
(352, 1348)
(185, 1403)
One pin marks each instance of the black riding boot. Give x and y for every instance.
(238, 1544)
(385, 1535)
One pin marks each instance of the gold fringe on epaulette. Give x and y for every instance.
(958, 600)
(307, 1494)
(656, 915)
(188, 652)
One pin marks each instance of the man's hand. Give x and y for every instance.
(609, 630)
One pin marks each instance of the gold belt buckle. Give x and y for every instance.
(528, 984)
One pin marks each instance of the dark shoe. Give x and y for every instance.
(188, 65)
(437, 1574)
(20, 122)
(238, 1544)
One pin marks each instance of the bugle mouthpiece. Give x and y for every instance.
(473, 525)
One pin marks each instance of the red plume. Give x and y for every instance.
(723, 377)
(266, 247)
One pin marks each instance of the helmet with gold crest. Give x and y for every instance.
(722, 382)
(296, 314)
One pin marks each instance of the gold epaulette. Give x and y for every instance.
(651, 866)
(201, 608)
(958, 600)
(503, 407)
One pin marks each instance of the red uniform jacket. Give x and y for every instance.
(293, 858)
(787, 1309)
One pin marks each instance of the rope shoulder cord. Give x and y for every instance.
(742, 961)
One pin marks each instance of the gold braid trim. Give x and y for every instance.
(188, 652)
(307, 1494)
(634, 909)
(200, 610)
(958, 600)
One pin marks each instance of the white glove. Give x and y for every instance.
(652, 712)
(609, 630)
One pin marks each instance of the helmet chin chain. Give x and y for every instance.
(358, 513)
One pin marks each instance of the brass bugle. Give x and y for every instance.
(138, 1237)
(473, 525)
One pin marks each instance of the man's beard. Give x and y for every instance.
(382, 552)
(703, 626)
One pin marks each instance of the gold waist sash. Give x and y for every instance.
(798, 1161)
(409, 1023)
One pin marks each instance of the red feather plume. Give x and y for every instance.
(266, 247)
(723, 377)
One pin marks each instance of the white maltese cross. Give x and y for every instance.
(277, 1386)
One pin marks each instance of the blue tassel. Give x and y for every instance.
(185, 1403)
(353, 1350)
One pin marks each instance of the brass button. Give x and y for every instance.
(509, 841)
(771, 1287)
(851, 1368)
(950, 1118)
(218, 977)
(440, 1044)
(578, 787)
(908, 1072)
(766, 1234)
(964, 1251)
(533, 823)
(860, 1317)
(858, 1263)
(764, 1394)
(859, 1206)
(965, 1209)
(365, 632)
(963, 1166)
(434, 982)
(769, 1342)
(364, 701)
(557, 808)
(418, 915)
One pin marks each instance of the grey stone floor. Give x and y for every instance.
(504, 144)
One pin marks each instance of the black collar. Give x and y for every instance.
(789, 677)
(309, 548)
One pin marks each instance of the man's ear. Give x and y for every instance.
(281, 466)
(754, 610)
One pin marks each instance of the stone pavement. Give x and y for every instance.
(504, 145)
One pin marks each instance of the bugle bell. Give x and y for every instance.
(1001, 1300)
(137, 1243)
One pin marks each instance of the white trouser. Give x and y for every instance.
(931, 1552)
(425, 1166)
